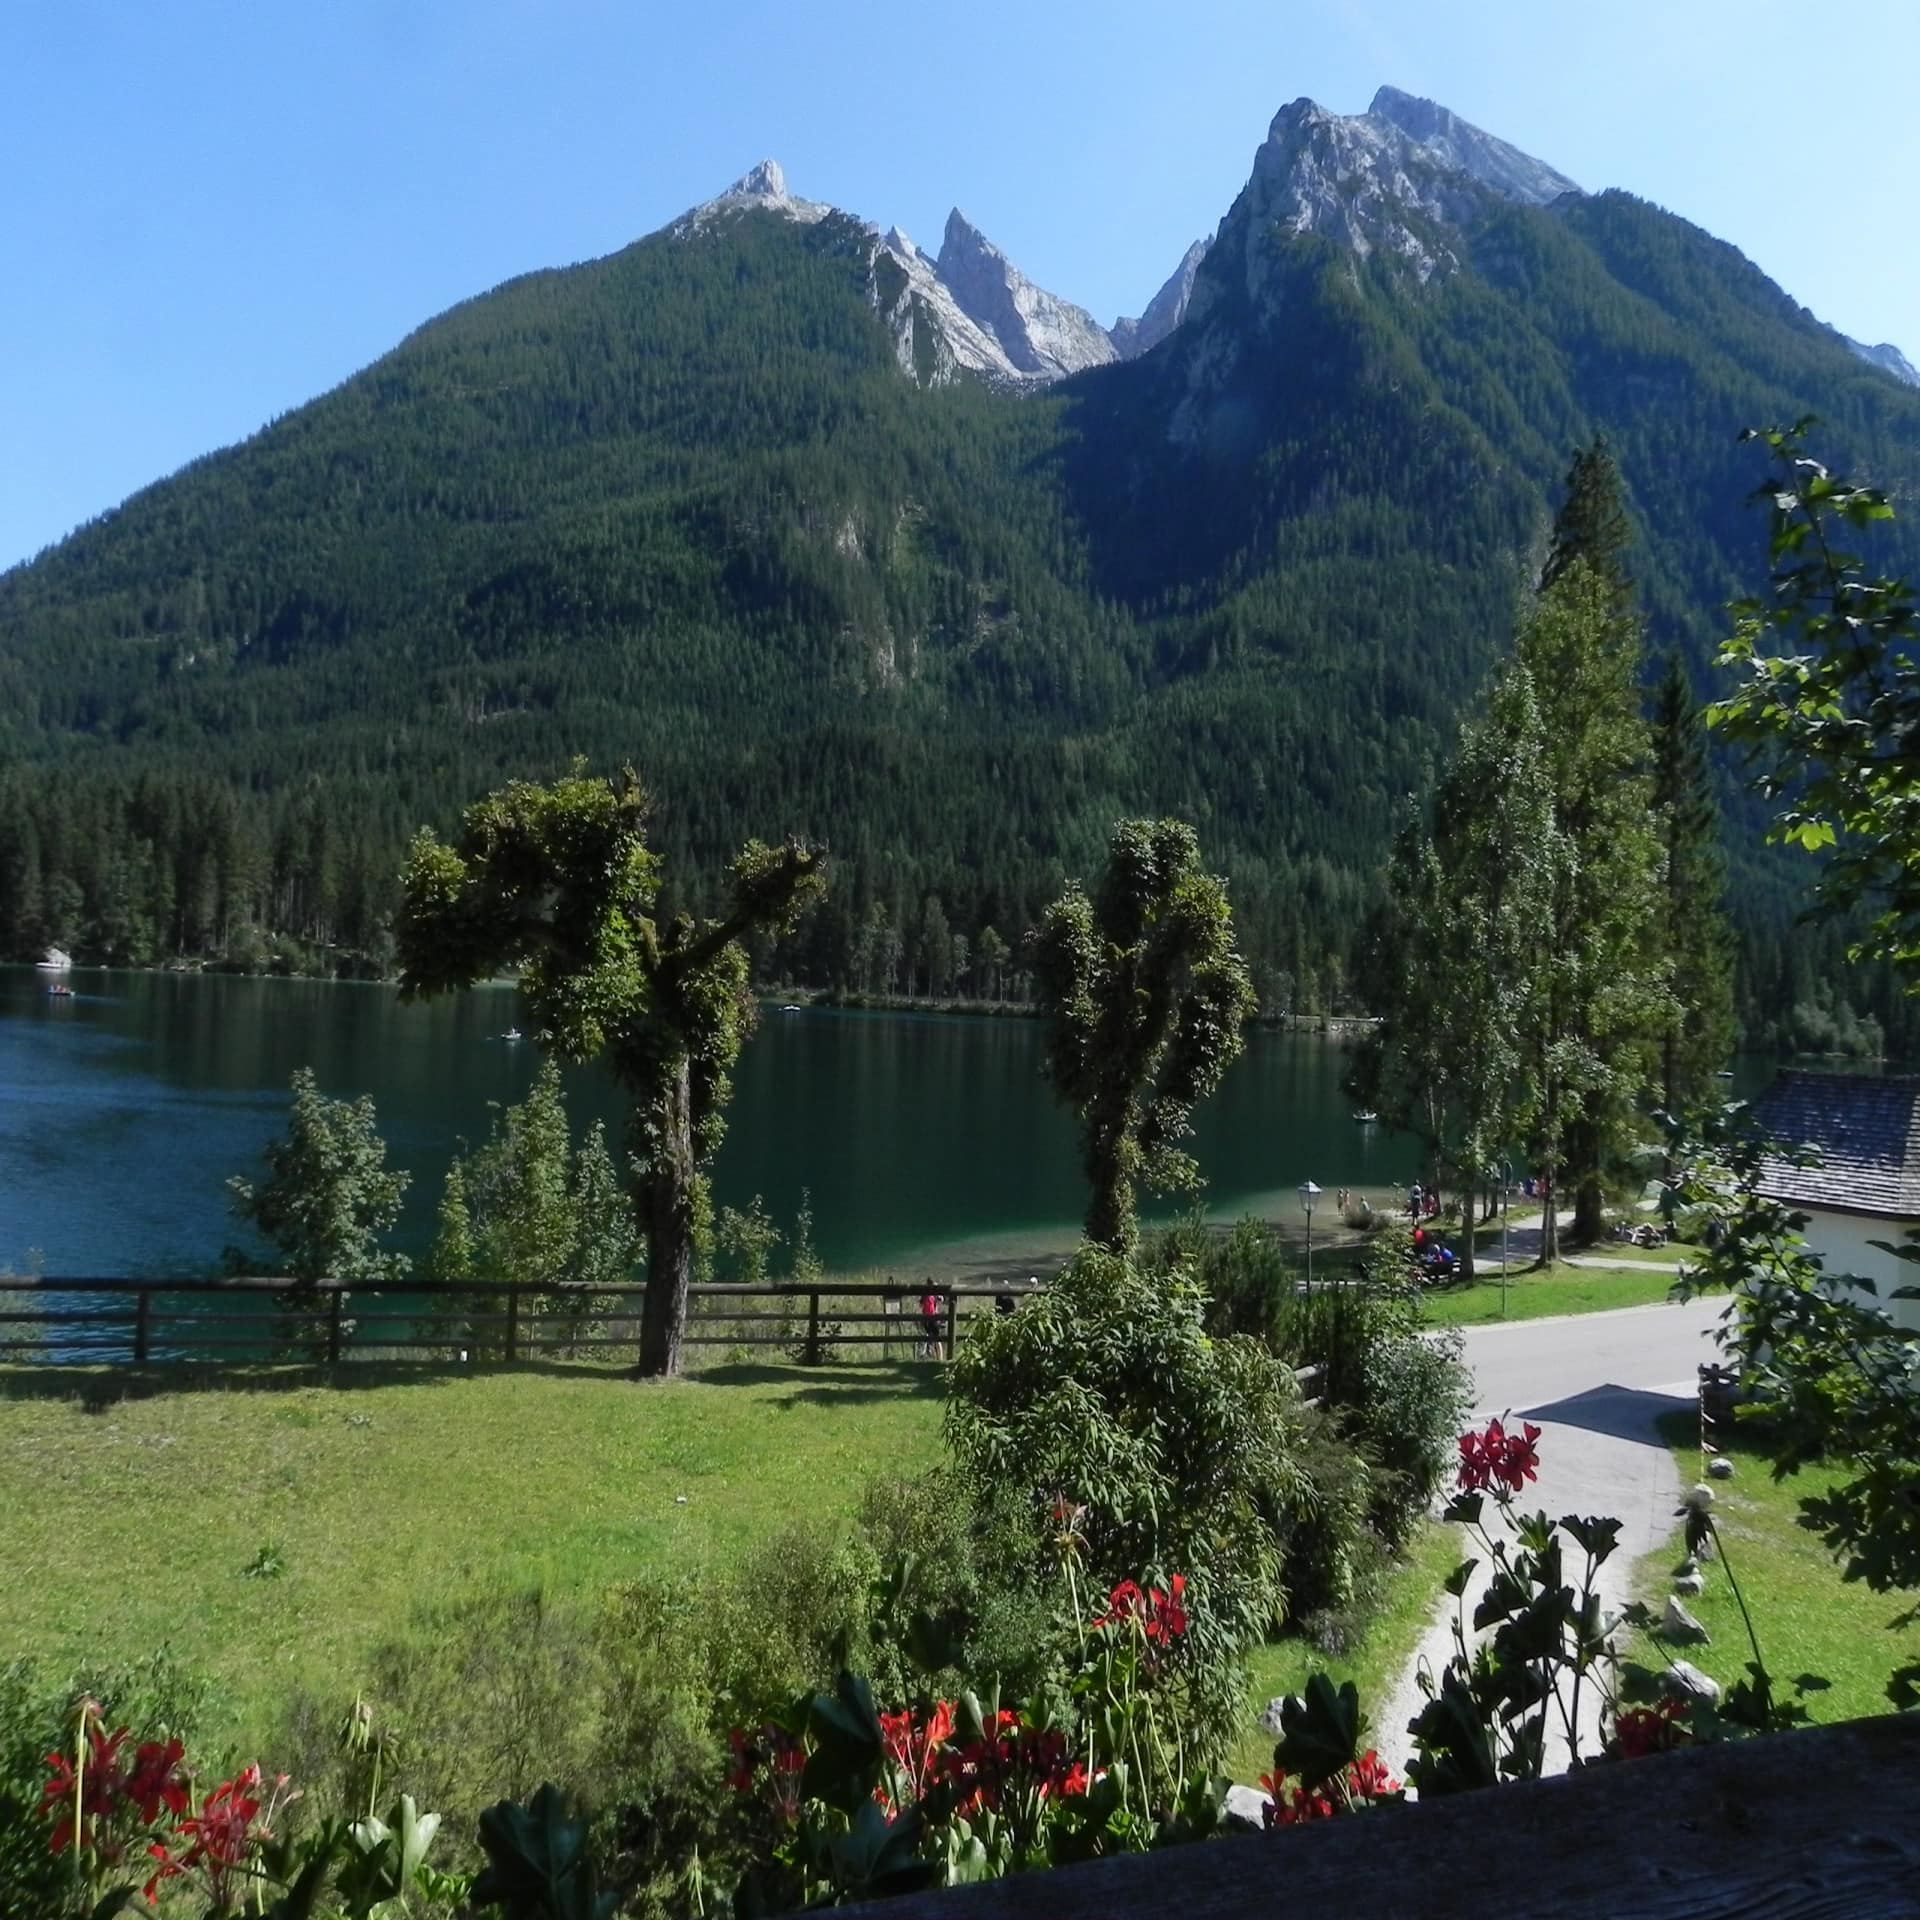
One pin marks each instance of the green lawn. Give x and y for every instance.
(1533, 1296)
(1808, 1619)
(134, 1524)
(1374, 1666)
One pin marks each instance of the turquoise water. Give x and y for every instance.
(922, 1139)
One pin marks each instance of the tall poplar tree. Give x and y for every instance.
(1457, 967)
(1698, 942)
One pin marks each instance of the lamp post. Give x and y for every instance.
(1309, 1193)
(1506, 1186)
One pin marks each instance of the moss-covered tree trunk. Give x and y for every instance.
(666, 1194)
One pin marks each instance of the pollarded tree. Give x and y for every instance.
(558, 880)
(1145, 997)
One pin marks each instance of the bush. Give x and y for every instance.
(1165, 1451)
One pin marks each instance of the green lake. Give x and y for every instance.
(927, 1142)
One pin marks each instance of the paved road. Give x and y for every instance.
(1594, 1384)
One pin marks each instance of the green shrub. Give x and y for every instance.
(1107, 1395)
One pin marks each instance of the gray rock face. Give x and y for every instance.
(762, 188)
(1270, 1715)
(1248, 1804)
(1456, 143)
(1690, 1585)
(1164, 311)
(934, 340)
(1719, 1468)
(1679, 1624)
(1684, 1681)
(1040, 334)
(1888, 358)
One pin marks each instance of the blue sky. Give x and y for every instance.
(212, 212)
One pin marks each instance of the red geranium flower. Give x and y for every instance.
(1656, 1729)
(1499, 1460)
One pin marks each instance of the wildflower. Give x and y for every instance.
(79, 1810)
(222, 1836)
(1125, 1604)
(1368, 1778)
(746, 1758)
(1074, 1780)
(157, 1780)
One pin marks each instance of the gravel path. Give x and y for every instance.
(1595, 1384)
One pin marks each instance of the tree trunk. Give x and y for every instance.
(1583, 1175)
(1550, 1175)
(1469, 1200)
(669, 1210)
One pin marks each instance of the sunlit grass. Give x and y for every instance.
(135, 1524)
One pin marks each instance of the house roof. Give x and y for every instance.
(1866, 1128)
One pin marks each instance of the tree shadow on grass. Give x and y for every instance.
(99, 1389)
(836, 1385)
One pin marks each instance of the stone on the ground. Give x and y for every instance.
(1270, 1714)
(1688, 1565)
(1684, 1681)
(1247, 1803)
(1720, 1467)
(1679, 1623)
(1699, 1497)
(1692, 1585)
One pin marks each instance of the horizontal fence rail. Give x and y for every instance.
(253, 1319)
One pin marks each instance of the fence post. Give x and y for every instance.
(142, 1327)
(333, 1328)
(813, 1328)
(953, 1308)
(513, 1321)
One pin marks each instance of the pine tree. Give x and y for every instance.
(1699, 1029)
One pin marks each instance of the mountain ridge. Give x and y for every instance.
(732, 504)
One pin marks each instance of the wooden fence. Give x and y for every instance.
(151, 1322)
(256, 1319)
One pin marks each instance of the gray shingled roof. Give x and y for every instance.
(1867, 1129)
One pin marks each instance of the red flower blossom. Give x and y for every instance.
(1125, 1604)
(746, 1758)
(1166, 1617)
(157, 1780)
(1498, 1460)
(102, 1792)
(1074, 1780)
(224, 1834)
(1368, 1778)
(1656, 1729)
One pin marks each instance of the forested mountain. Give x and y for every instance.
(730, 505)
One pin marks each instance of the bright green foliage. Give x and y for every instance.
(1106, 1394)
(1699, 1030)
(559, 881)
(1460, 967)
(328, 1196)
(527, 1207)
(1145, 997)
(749, 1239)
(1830, 689)
(1604, 996)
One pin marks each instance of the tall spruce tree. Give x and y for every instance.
(1584, 643)
(1698, 942)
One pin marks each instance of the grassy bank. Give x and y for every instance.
(137, 1523)
(1535, 1296)
(1374, 1664)
(1808, 1619)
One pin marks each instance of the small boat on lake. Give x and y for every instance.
(59, 991)
(1367, 1117)
(513, 1033)
(54, 962)
(790, 1009)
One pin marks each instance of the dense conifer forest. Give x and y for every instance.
(682, 508)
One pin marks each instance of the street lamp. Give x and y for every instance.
(1309, 1193)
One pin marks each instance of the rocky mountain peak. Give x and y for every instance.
(1456, 143)
(1164, 311)
(1888, 358)
(1042, 335)
(762, 187)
